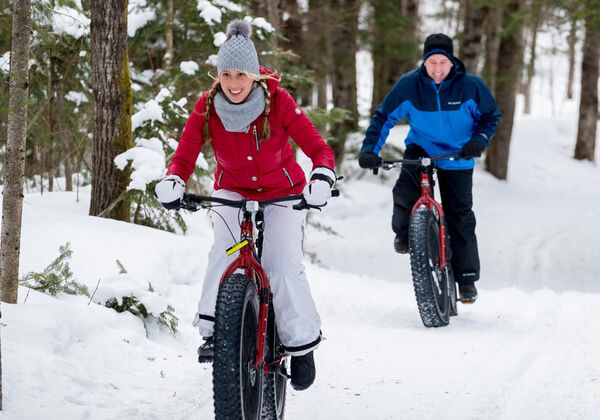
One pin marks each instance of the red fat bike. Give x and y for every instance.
(250, 364)
(435, 288)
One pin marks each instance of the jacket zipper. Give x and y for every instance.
(219, 180)
(255, 137)
(437, 94)
(288, 177)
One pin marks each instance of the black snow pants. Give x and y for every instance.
(457, 201)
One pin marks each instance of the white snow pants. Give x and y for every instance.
(298, 322)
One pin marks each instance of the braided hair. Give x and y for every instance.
(266, 127)
(216, 88)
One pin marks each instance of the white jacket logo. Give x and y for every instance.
(454, 103)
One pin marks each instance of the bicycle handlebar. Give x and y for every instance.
(194, 202)
(423, 161)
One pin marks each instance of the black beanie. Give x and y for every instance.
(438, 44)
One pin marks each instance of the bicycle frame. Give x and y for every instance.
(248, 262)
(426, 199)
(431, 203)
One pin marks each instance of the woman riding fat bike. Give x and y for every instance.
(247, 119)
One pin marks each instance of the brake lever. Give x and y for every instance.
(303, 205)
(189, 206)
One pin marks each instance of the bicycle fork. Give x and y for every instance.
(426, 200)
(248, 261)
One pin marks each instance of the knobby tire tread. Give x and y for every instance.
(418, 237)
(226, 367)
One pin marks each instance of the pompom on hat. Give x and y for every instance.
(438, 44)
(238, 51)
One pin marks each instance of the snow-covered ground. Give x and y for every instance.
(527, 349)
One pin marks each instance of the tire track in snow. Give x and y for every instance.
(491, 383)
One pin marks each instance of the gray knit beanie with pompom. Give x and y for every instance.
(238, 52)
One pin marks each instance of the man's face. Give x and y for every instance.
(438, 66)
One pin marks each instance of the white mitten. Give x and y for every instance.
(169, 191)
(318, 190)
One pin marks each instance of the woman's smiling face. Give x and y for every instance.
(236, 85)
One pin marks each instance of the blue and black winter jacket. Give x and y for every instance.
(442, 117)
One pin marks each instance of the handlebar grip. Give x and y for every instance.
(335, 193)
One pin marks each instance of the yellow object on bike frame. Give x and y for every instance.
(237, 247)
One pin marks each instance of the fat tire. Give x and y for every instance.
(275, 383)
(236, 321)
(423, 243)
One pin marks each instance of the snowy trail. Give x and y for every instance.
(526, 350)
(515, 354)
(510, 356)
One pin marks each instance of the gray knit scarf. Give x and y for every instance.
(237, 117)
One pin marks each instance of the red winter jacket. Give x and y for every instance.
(257, 170)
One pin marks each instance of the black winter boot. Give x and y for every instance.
(206, 351)
(303, 371)
(467, 293)
(400, 245)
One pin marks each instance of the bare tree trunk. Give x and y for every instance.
(14, 166)
(292, 42)
(270, 10)
(169, 53)
(394, 47)
(49, 149)
(471, 45)
(40, 156)
(64, 141)
(318, 47)
(493, 28)
(588, 103)
(571, 40)
(536, 17)
(509, 73)
(322, 92)
(112, 98)
(0, 371)
(343, 77)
